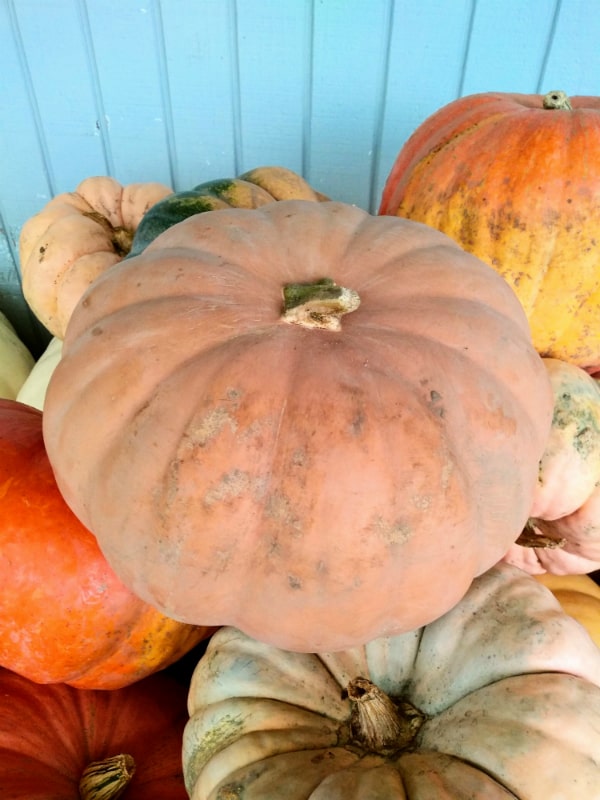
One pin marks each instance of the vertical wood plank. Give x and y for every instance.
(573, 59)
(125, 50)
(201, 64)
(501, 31)
(427, 53)
(58, 66)
(350, 50)
(275, 72)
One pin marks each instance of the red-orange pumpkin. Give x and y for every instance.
(248, 453)
(53, 736)
(515, 179)
(65, 616)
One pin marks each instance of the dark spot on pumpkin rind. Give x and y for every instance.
(584, 442)
(231, 791)
(435, 399)
(321, 757)
(294, 582)
(97, 331)
(357, 423)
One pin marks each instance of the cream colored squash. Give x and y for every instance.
(16, 362)
(33, 390)
(498, 699)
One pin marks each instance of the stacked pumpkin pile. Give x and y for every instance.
(330, 436)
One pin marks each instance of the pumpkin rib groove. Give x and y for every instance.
(428, 761)
(508, 794)
(528, 717)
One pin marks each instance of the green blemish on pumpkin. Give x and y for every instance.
(573, 411)
(217, 187)
(216, 738)
(231, 791)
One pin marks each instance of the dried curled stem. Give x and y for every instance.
(106, 779)
(320, 304)
(557, 99)
(379, 723)
(531, 537)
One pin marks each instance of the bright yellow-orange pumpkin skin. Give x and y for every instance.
(65, 617)
(518, 185)
(579, 597)
(301, 483)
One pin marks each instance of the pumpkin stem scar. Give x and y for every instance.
(558, 100)
(379, 723)
(121, 238)
(107, 779)
(318, 304)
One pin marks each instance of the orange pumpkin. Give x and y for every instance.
(253, 444)
(515, 179)
(579, 597)
(75, 237)
(77, 744)
(65, 617)
(563, 534)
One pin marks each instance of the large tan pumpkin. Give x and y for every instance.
(497, 700)
(515, 179)
(247, 458)
(74, 238)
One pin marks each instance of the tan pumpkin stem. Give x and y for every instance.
(106, 779)
(530, 538)
(379, 723)
(558, 100)
(121, 238)
(319, 304)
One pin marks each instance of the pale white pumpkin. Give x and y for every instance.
(499, 698)
(16, 362)
(33, 390)
(563, 534)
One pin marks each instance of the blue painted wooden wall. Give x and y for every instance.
(181, 91)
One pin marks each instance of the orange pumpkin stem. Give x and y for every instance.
(558, 100)
(379, 723)
(319, 304)
(107, 779)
